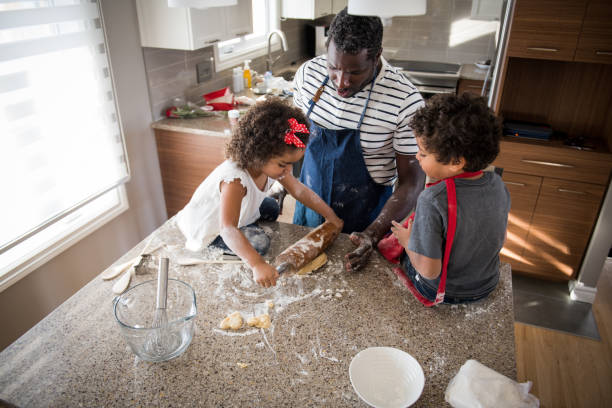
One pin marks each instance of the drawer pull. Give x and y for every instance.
(543, 163)
(512, 183)
(603, 52)
(565, 190)
(543, 49)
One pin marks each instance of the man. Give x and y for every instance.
(361, 144)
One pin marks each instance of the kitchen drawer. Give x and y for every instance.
(546, 29)
(557, 162)
(185, 160)
(595, 42)
(561, 226)
(524, 190)
(473, 86)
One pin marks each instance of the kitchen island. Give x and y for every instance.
(77, 357)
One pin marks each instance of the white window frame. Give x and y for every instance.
(249, 46)
(52, 238)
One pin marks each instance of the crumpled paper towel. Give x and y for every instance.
(478, 386)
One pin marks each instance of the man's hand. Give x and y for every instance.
(359, 257)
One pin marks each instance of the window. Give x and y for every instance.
(62, 155)
(233, 52)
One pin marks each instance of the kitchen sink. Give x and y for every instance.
(286, 73)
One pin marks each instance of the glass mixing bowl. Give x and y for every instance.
(135, 313)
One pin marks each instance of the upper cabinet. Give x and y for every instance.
(569, 30)
(190, 29)
(595, 42)
(311, 9)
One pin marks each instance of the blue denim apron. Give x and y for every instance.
(334, 168)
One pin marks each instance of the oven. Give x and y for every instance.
(430, 77)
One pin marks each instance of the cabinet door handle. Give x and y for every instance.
(565, 190)
(544, 163)
(512, 183)
(603, 52)
(242, 33)
(545, 49)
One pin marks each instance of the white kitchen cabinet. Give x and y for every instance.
(309, 10)
(190, 29)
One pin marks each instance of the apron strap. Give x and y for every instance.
(451, 196)
(317, 95)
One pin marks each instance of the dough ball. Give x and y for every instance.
(315, 264)
(233, 321)
(270, 304)
(261, 321)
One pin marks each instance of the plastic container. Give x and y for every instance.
(237, 80)
(135, 309)
(267, 79)
(233, 116)
(247, 74)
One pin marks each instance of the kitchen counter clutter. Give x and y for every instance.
(319, 322)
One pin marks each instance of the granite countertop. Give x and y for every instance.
(77, 357)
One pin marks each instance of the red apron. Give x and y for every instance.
(388, 246)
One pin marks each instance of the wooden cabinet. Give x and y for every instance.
(473, 86)
(564, 30)
(185, 160)
(595, 42)
(547, 29)
(556, 193)
(190, 29)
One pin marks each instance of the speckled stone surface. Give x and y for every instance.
(77, 357)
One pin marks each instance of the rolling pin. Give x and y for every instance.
(307, 248)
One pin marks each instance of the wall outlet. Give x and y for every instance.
(205, 70)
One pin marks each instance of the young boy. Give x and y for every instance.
(458, 137)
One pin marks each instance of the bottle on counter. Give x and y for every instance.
(233, 116)
(237, 80)
(247, 74)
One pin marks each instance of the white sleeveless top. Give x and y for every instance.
(199, 221)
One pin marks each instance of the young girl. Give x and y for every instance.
(270, 137)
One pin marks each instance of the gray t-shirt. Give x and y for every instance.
(482, 217)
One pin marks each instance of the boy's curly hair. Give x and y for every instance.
(260, 134)
(454, 126)
(351, 34)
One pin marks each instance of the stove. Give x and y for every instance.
(430, 77)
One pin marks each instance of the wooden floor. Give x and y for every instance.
(567, 371)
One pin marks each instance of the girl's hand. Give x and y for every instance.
(402, 234)
(337, 221)
(265, 274)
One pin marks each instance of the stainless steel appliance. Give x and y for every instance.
(430, 77)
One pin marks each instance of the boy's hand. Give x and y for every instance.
(402, 234)
(265, 274)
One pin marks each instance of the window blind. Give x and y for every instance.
(61, 145)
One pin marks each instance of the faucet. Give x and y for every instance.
(270, 61)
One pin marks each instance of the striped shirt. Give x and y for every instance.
(385, 130)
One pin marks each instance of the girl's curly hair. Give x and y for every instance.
(260, 134)
(454, 126)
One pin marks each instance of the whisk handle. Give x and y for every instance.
(162, 283)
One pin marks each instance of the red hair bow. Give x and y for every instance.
(290, 137)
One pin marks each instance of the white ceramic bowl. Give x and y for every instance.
(386, 377)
